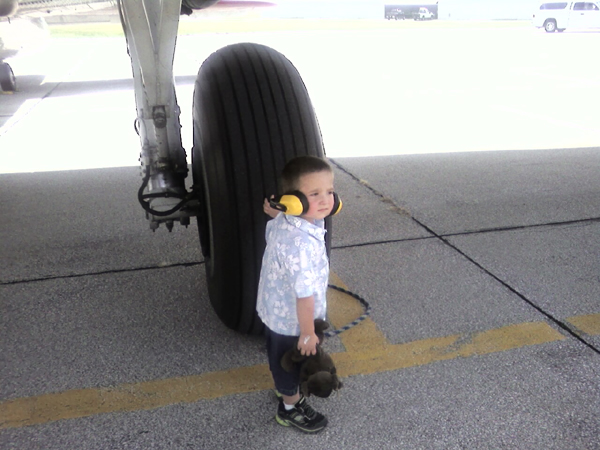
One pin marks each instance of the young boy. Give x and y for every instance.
(293, 283)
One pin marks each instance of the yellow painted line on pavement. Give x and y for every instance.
(79, 403)
(367, 352)
(589, 324)
(342, 310)
(427, 351)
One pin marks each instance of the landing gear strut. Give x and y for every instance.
(151, 31)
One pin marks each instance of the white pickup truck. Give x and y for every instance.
(423, 14)
(558, 16)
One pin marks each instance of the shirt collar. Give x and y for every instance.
(317, 229)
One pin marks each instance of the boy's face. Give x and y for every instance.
(318, 188)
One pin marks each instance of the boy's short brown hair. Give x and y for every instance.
(300, 166)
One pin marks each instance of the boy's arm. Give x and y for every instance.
(305, 309)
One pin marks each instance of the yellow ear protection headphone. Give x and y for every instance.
(295, 204)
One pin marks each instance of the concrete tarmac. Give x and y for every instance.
(481, 269)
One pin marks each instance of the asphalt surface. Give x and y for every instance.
(482, 269)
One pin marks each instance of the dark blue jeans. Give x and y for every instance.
(286, 383)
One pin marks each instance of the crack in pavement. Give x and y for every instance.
(100, 272)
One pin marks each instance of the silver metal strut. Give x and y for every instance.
(150, 28)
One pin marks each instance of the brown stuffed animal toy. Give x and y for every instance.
(318, 375)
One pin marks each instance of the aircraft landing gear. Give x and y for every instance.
(8, 81)
(252, 114)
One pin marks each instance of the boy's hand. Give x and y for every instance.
(305, 309)
(307, 344)
(268, 209)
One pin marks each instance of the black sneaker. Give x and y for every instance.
(302, 417)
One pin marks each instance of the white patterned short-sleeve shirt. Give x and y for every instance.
(294, 265)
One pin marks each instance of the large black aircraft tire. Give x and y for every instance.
(8, 81)
(252, 114)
